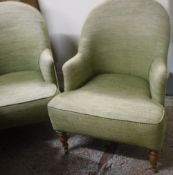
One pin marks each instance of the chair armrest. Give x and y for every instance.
(47, 66)
(76, 71)
(157, 79)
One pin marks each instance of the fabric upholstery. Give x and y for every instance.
(27, 74)
(25, 28)
(117, 98)
(157, 78)
(24, 86)
(24, 113)
(47, 66)
(114, 96)
(139, 28)
(115, 85)
(145, 135)
(121, 47)
(76, 72)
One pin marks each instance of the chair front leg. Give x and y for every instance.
(63, 139)
(153, 158)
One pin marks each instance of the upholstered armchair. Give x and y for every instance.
(115, 85)
(27, 75)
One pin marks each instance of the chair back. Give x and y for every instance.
(126, 36)
(23, 37)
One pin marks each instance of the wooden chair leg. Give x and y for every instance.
(63, 139)
(153, 158)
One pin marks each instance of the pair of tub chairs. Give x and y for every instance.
(114, 86)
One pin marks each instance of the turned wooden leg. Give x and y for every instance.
(153, 158)
(63, 139)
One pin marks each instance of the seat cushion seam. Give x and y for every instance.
(110, 118)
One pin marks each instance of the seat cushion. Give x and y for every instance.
(112, 107)
(24, 86)
(112, 96)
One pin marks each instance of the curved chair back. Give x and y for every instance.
(126, 36)
(23, 37)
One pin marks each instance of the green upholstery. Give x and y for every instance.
(115, 85)
(47, 66)
(24, 86)
(26, 32)
(27, 74)
(24, 113)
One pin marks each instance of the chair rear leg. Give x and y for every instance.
(63, 139)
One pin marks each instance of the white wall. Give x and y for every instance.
(65, 19)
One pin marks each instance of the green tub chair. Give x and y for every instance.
(115, 85)
(27, 75)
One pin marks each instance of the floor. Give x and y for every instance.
(35, 150)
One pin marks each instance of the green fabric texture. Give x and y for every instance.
(115, 85)
(76, 72)
(23, 37)
(141, 134)
(27, 74)
(116, 98)
(112, 96)
(24, 86)
(127, 41)
(47, 66)
(24, 113)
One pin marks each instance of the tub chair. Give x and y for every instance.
(115, 85)
(27, 74)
